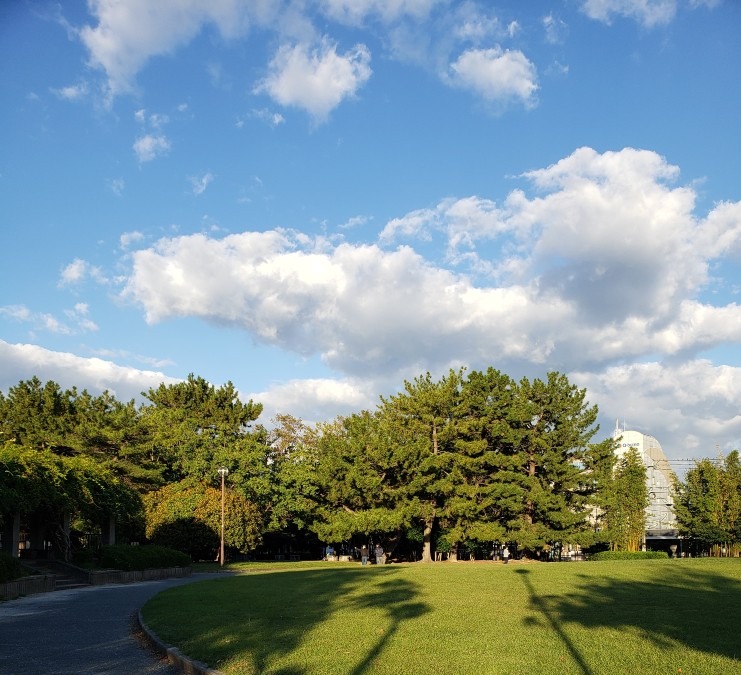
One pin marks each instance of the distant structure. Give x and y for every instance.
(661, 523)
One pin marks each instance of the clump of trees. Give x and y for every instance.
(455, 463)
(707, 504)
(467, 459)
(623, 502)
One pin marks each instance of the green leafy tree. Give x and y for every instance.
(479, 495)
(292, 462)
(186, 516)
(624, 503)
(112, 433)
(423, 423)
(365, 481)
(554, 461)
(58, 489)
(708, 504)
(37, 415)
(193, 427)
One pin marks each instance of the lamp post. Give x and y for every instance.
(223, 472)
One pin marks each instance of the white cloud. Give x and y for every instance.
(73, 92)
(605, 262)
(650, 13)
(16, 312)
(79, 270)
(117, 186)
(555, 29)
(274, 119)
(129, 238)
(496, 75)
(316, 79)
(698, 398)
(316, 400)
(200, 183)
(43, 321)
(150, 147)
(354, 12)
(23, 361)
(130, 32)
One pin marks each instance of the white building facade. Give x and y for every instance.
(661, 523)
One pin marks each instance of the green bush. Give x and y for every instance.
(10, 568)
(629, 555)
(128, 558)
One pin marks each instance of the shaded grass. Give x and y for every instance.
(608, 617)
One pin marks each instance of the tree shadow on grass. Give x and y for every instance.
(277, 611)
(687, 605)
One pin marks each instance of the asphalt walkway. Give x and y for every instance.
(82, 631)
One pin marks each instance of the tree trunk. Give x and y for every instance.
(427, 541)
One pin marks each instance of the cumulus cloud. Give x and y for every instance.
(129, 33)
(315, 78)
(127, 239)
(315, 399)
(24, 361)
(355, 11)
(695, 396)
(78, 271)
(606, 260)
(650, 13)
(72, 92)
(496, 75)
(150, 146)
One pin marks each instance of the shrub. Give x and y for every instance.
(629, 555)
(128, 558)
(10, 568)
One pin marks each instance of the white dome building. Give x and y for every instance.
(661, 523)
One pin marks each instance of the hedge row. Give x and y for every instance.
(130, 558)
(10, 568)
(629, 555)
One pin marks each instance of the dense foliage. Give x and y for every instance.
(708, 505)
(58, 489)
(186, 516)
(629, 555)
(10, 568)
(624, 500)
(469, 459)
(452, 464)
(135, 558)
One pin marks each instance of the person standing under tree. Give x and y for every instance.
(379, 554)
(505, 555)
(364, 554)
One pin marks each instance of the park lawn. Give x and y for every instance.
(653, 616)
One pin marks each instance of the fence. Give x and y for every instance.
(40, 583)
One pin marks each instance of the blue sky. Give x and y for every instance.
(319, 199)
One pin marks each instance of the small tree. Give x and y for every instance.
(186, 516)
(708, 504)
(624, 503)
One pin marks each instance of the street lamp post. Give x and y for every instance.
(223, 472)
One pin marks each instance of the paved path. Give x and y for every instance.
(82, 631)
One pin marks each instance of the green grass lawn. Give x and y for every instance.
(654, 616)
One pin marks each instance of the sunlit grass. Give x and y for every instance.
(673, 616)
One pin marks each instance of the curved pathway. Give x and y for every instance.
(82, 631)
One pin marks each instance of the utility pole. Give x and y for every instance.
(223, 472)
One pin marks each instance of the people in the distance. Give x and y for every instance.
(379, 554)
(364, 554)
(505, 555)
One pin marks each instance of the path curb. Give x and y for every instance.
(173, 654)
